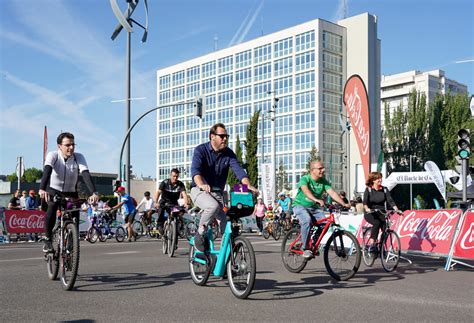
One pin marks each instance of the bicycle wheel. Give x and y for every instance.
(92, 235)
(164, 238)
(191, 229)
(390, 253)
(137, 229)
(120, 234)
(369, 257)
(69, 256)
(172, 239)
(241, 271)
(102, 234)
(265, 233)
(181, 230)
(52, 261)
(276, 232)
(215, 230)
(199, 272)
(342, 255)
(292, 252)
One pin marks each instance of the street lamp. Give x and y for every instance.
(272, 118)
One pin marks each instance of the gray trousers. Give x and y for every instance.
(211, 205)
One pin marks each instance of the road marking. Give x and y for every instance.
(120, 253)
(270, 243)
(23, 259)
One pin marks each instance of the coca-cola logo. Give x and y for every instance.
(439, 226)
(33, 221)
(467, 240)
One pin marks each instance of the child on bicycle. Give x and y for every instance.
(376, 198)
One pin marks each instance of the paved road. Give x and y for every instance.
(135, 281)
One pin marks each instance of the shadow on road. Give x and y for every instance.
(126, 281)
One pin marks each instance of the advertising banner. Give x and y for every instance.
(428, 231)
(437, 177)
(357, 106)
(25, 221)
(268, 183)
(464, 244)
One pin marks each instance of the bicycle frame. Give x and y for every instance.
(222, 254)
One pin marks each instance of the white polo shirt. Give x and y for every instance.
(65, 172)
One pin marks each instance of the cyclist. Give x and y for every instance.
(309, 201)
(376, 198)
(129, 210)
(209, 170)
(148, 207)
(284, 202)
(170, 191)
(60, 176)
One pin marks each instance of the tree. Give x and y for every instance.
(30, 175)
(282, 178)
(313, 156)
(231, 178)
(251, 145)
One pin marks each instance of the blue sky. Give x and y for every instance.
(60, 68)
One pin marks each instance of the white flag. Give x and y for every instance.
(436, 176)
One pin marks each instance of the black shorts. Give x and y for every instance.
(130, 217)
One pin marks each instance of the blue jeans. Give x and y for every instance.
(305, 217)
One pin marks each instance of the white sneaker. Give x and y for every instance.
(259, 233)
(31, 240)
(307, 254)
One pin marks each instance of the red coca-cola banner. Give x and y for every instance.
(428, 231)
(24, 221)
(395, 218)
(464, 245)
(357, 105)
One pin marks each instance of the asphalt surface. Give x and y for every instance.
(136, 282)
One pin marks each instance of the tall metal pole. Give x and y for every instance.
(464, 163)
(273, 116)
(263, 139)
(128, 101)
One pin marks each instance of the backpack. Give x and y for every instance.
(134, 201)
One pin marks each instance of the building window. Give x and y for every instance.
(262, 72)
(178, 125)
(241, 131)
(225, 116)
(284, 124)
(243, 59)
(192, 74)
(165, 97)
(332, 62)
(305, 61)
(305, 120)
(165, 142)
(331, 121)
(178, 93)
(164, 157)
(208, 69)
(243, 77)
(261, 90)
(332, 42)
(178, 110)
(301, 159)
(332, 82)
(225, 81)
(304, 141)
(225, 98)
(193, 138)
(285, 104)
(225, 64)
(283, 85)
(284, 143)
(283, 47)
(243, 112)
(243, 94)
(286, 160)
(305, 100)
(177, 156)
(305, 41)
(209, 85)
(283, 66)
(165, 113)
(305, 81)
(178, 78)
(192, 90)
(262, 53)
(192, 122)
(164, 127)
(165, 82)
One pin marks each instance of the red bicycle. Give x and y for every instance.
(342, 253)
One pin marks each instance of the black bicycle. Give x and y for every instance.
(171, 229)
(64, 259)
(388, 246)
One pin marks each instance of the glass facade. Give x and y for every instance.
(236, 85)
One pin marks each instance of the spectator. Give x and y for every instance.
(24, 196)
(14, 203)
(359, 206)
(31, 203)
(259, 212)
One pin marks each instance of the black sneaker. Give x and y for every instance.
(48, 246)
(201, 243)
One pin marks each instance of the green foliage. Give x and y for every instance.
(251, 146)
(313, 156)
(231, 178)
(282, 178)
(31, 175)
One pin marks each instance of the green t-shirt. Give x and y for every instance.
(316, 187)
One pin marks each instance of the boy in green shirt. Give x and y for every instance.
(308, 201)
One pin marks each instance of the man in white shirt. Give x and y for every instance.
(148, 207)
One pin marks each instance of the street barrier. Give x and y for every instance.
(463, 246)
(24, 221)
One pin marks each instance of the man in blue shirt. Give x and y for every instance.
(209, 170)
(285, 203)
(129, 210)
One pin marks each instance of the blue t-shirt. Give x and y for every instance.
(128, 206)
(284, 203)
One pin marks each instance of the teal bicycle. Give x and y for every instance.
(236, 256)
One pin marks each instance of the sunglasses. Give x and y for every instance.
(222, 135)
(68, 145)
